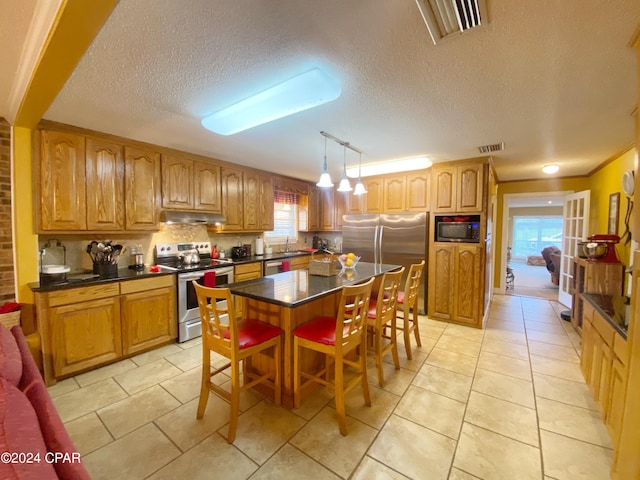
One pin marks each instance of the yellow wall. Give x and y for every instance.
(603, 183)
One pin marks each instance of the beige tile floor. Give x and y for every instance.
(508, 402)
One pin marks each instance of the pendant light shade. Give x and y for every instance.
(325, 178)
(345, 186)
(360, 190)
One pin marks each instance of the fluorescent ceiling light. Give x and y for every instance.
(549, 169)
(392, 166)
(299, 93)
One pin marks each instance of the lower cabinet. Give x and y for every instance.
(603, 362)
(85, 327)
(455, 295)
(245, 271)
(144, 315)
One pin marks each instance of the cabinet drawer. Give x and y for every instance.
(603, 327)
(244, 268)
(620, 348)
(133, 286)
(77, 295)
(297, 262)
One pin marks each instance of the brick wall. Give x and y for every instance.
(7, 283)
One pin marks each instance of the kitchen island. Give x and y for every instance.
(290, 299)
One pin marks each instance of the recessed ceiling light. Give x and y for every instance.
(549, 169)
(294, 95)
(392, 166)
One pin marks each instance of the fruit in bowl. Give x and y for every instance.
(348, 260)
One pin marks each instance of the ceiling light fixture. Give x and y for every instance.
(360, 189)
(551, 168)
(345, 185)
(391, 166)
(294, 95)
(325, 178)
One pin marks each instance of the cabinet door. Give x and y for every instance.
(615, 409)
(470, 181)
(327, 209)
(148, 319)
(85, 334)
(177, 182)
(586, 356)
(395, 194)
(105, 181)
(374, 198)
(441, 291)
(354, 204)
(207, 187)
(342, 202)
(62, 182)
(444, 194)
(266, 203)
(142, 188)
(313, 209)
(468, 286)
(604, 384)
(232, 198)
(418, 191)
(251, 201)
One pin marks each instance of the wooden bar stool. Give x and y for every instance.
(407, 301)
(382, 315)
(336, 337)
(236, 340)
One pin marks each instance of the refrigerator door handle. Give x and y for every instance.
(380, 243)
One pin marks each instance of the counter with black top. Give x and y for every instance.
(615, 309)
(85, 279)
(290, 299)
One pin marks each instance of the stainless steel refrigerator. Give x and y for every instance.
(390, 238)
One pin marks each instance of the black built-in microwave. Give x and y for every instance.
(450, 230)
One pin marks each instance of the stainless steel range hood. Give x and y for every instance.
(191, 218)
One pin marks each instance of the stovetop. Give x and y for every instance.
(168, 257)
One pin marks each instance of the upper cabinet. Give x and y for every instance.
(265, 222)
(142, 188)
(105, 180)
(374, 198)
(401, 193)
(247, 200)
(177, 182)
(189, 184)
(89, 183)
(232, 191)
(62, 182)
(457, 188)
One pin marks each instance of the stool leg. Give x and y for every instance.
(296, 373)
(340, 408)
(416, 327)
(394, 343)
(363, 371)
(204, 383)
(235, 402)
(278, 380)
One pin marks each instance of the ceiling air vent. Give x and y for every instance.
(450, 17)
(496, 147)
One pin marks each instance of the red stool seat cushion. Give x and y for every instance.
(254, 332)
(400, 297)
(373, 309)
(319, 330)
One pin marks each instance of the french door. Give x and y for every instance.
(575, 228)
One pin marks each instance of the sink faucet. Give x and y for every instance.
(286, 245)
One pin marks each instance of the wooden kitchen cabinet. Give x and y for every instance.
(394, 193)
(147, 313)
(314, 203)
(245, 271)
(232, 192)
(257, 202)
(406, 192)
(618, 389)
(177, 182)
(79, 328)
(374, 198)
(85, 327)
(266, 220)
(457, 188)
(62, 181)
(206, 179)
(327, 209)
(142, 188)
(105, 182)
(456, 295)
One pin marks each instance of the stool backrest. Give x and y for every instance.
(412, 284)
(351, 320)
(217, 317)
(388, 296)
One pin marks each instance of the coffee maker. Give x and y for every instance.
(136, 258)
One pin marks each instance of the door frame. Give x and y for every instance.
(506, 206)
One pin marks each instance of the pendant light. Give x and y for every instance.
(345, 186)
(360, 190)
(325, 178)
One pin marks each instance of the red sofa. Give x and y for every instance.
(33, 441)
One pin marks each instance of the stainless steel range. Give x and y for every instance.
(192, 261)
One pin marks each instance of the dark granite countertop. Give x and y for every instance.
(85, 279)
(614, 308)
(266, 257)
(297, 287)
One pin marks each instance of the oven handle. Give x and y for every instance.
(190, 276)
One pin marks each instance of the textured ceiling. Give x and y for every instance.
(554, 80)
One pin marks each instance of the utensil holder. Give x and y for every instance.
(106, 269)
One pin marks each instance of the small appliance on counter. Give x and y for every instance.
(53, 273)
(602, 248)
(238, 253)
(137, 258)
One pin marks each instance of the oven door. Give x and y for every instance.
(188, 314)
